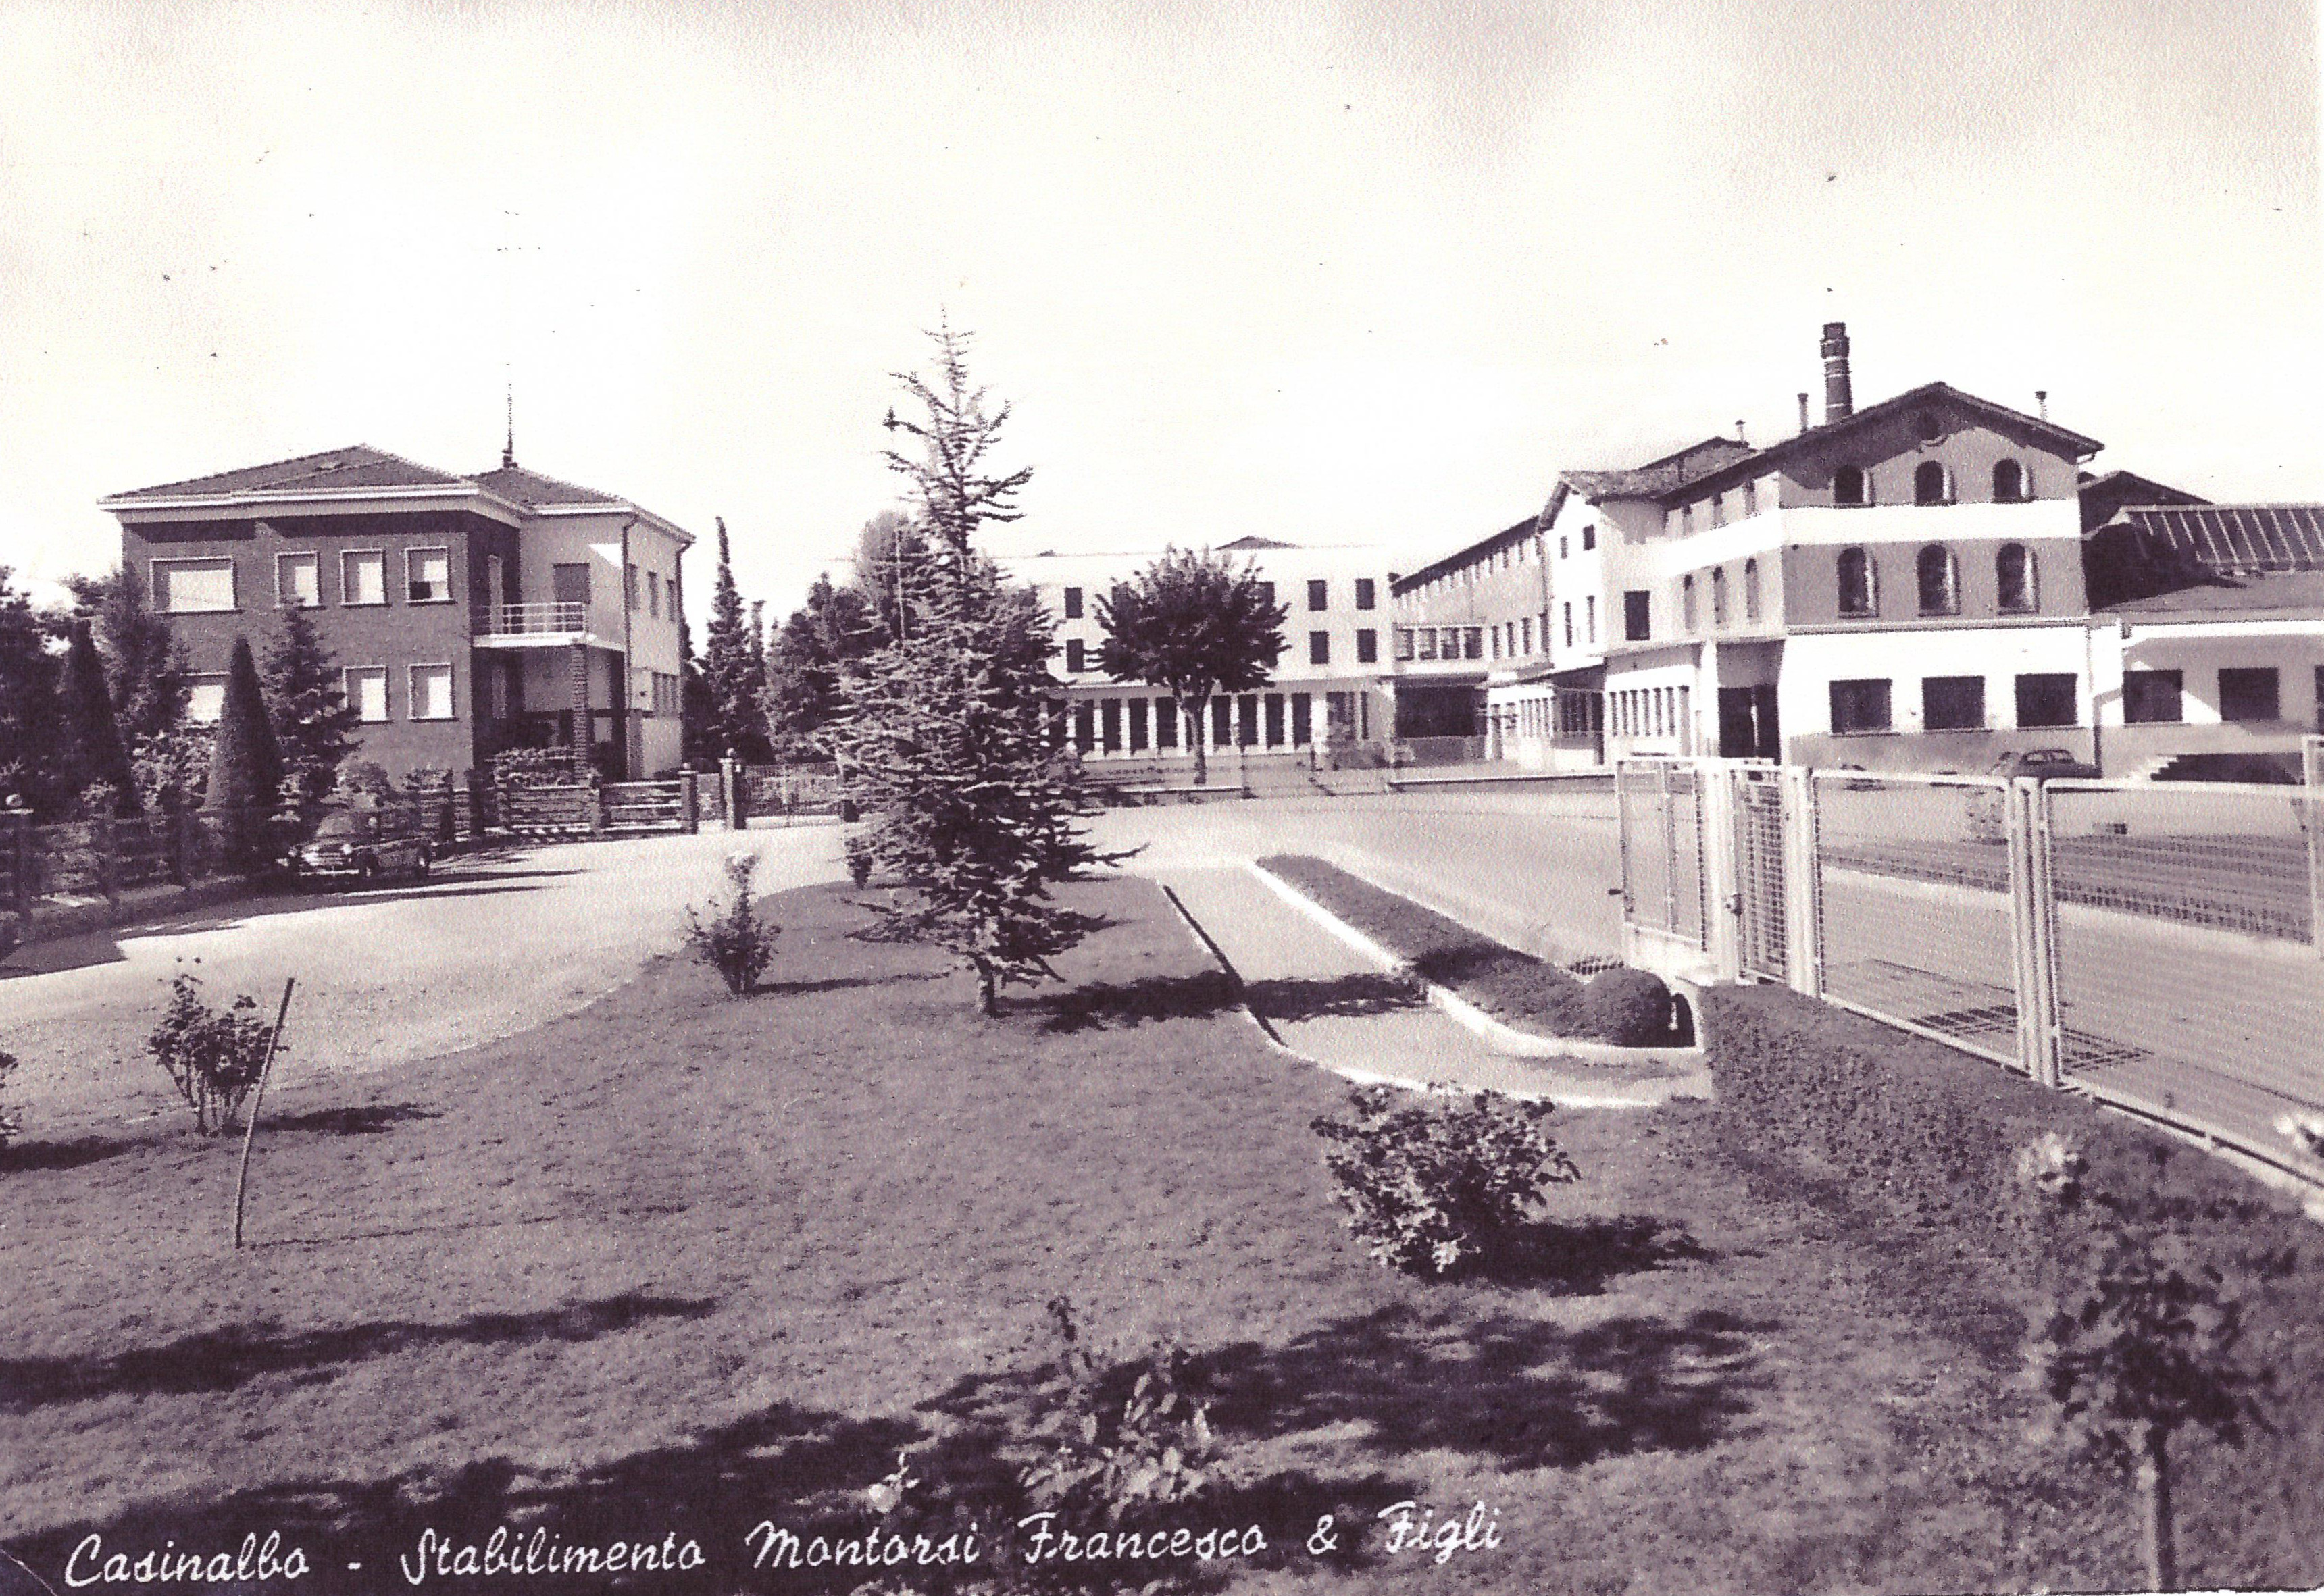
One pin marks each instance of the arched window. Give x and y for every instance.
(1940, 585)
(2015, 576)
(1750, 589)
(1686, 601)
(2008, 482)
(1719, 597)
(1930, 484)
(1859, 583)
(1848, 486)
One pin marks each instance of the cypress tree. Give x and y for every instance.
(730, 671)
(92, 751)
(246, 766)
(314, 725)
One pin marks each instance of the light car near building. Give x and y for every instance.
(356, 847)
(2042, 764)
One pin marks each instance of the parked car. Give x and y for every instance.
(2042, 764)
(354, 845)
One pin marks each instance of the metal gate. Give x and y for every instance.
(1761, 886)
(1659, 806)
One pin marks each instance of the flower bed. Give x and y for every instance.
(1514, 987)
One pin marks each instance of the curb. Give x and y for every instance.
(1503, 1039)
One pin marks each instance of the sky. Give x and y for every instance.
(1324, 273)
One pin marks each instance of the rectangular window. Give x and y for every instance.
(1319, 595)
(1247, 720)
(1526, 636)
(1367, 595)
(298, 580)
(1319, 648)
(429, 572)
(205, 698)
(1952, 703)
(631, 596)
(1638, 615)
(1138, 709)
(1367, 646)
(1859, 706)
(2249, 693)
(2047, 698)
(362, 577)
(1302, 719)
(1472, 642)
(1404, 642)
(2150, 698)
(653, 594)
(1085, 725)
(1109, 720)
(1428, 642)
(1165, 722)
(431, 693)
(1750, 499)
(192, 587)
(1072, 603)
(1590, 537)
(1076, 655)
(1274, 706)
(1221, 723)
(366, 690)
(1569, 623)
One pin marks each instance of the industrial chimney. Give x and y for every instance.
(1804, 412)
(1838, 399)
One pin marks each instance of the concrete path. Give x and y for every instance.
(1325, 1001)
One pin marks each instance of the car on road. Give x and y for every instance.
(2040, 764)
(357, 846)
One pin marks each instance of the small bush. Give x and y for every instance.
(859, 861)
(212, 1056)
(736, 942)
(1425, 1187)
(1629, 1007)
(11, 1121)
(1107, 1454)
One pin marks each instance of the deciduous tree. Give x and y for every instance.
(1193, 623)
(831, 634)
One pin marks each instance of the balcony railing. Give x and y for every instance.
(510, 621)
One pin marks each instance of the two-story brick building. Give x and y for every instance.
(467, 615)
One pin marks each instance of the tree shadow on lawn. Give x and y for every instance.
(223, 1359)
(800, 1469)
(1577, 1257)
(1105, 1005)
(369, 1119)
(843, 983)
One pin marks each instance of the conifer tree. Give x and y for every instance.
(828, 637)
(30, 723)
(92, 754)
(246, 765)
(314, 725)
(736, 725)
(145, 667)
(947, 736)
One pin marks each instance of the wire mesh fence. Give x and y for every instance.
(1660, 803)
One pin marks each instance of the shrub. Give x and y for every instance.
(536, 767)
(736, 944)
(1630, 1007)
(1109, 1455)
(11, 1121)
(212, 1056)
(1426, 1186)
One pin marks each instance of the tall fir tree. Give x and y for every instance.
(947, 736)
(145, 667)
(314, 725)
(734, 726)
(31, 719)
(246, 778)
(91, 755)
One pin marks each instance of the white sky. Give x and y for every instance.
(1315, 272)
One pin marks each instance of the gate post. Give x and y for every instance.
(730, 788)
(690, 821)
(1622, 856)
(1722, 872)
(2034, 930)
(1802, 881)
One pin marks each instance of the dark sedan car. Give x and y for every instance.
(356, 847)
(2042, 764)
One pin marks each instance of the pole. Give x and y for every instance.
(257, 1100)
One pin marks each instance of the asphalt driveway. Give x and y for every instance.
(488, 947)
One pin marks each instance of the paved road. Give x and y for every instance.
(403, 971)
(1530, 867)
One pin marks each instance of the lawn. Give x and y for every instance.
(680, 1263)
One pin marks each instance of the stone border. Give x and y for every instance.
(1502, 1037)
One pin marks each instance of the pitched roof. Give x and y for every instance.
(360, 466)
(1466, 553)
(1657, 476)
(2234, 539)
(532, 490)
(1751, 463)
(2290, 595)
(1254, 541)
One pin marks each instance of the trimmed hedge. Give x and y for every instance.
(1512, 987)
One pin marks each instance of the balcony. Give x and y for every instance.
(533, 626)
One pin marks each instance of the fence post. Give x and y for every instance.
(1722, 874)
(2312, 774)
(21, 842)
(690, 821)
(106, 839)
(1802, 883)
(730, 788)
(1622, 857)
(2033, 929)
(598, 802)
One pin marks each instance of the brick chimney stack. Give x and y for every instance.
(1838, 398)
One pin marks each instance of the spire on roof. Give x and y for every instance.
(508, 448)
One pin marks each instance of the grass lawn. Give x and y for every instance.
(682, 1263)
